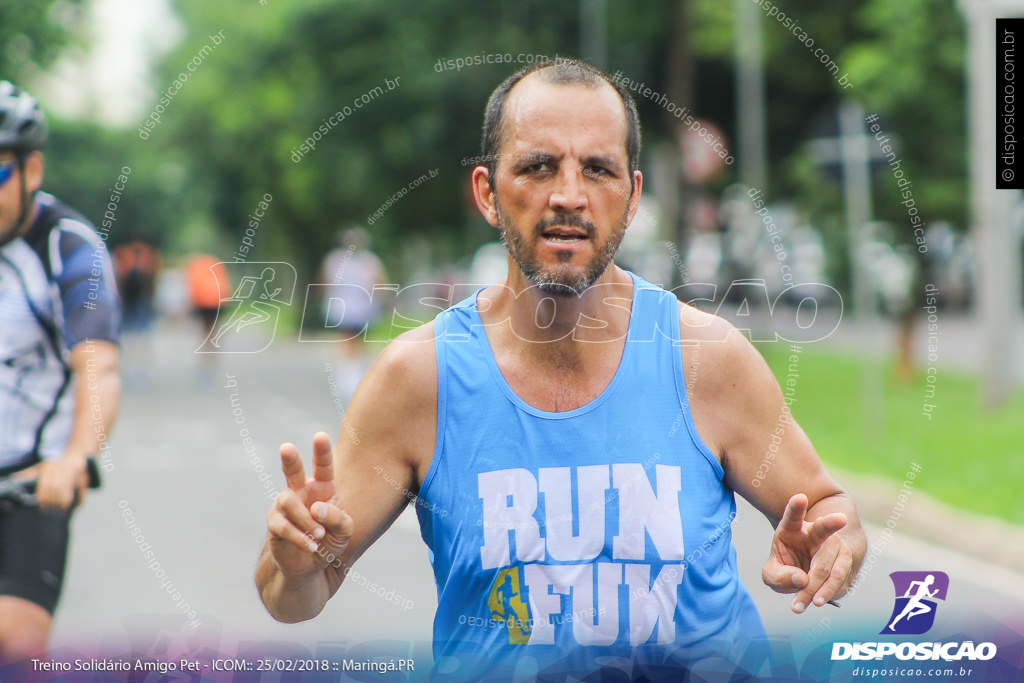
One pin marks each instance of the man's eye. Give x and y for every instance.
(539, 167)
(596, 171)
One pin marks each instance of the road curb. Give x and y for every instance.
(984, 538)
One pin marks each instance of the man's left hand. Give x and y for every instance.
(808, 558)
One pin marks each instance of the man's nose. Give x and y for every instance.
(568, 195)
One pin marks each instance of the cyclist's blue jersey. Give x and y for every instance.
(57, 290)
(566, 541)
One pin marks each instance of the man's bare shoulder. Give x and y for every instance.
(394, 412)
(715, 338)
(407, 367)
(732, 392)
(726, 375)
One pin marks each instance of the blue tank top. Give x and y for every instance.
(564, 541)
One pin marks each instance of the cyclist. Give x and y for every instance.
(59, 384)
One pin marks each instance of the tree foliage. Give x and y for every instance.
(284, 69)
(231, 131)
(911, 71)
(33, 33)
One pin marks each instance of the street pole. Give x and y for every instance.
(998, 273)
(750, 95)
(857, 199)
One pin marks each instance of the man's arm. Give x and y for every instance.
(320, 526)
(740, 412)
(88, 299)
(94, 365)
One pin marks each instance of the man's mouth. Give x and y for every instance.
(562, 233)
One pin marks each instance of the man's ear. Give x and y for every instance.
(34, 165)
(485, 199)
(634, 199)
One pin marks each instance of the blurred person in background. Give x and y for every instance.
(59, 383)
(137, 264)
(350, 271)
(208, 284)
(172, 298)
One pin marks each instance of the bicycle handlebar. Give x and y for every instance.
(23, 491)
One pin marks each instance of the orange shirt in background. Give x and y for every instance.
(207, 281)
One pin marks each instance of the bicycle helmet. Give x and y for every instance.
(22, 131)
(22, 122)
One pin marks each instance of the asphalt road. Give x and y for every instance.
(179, 466)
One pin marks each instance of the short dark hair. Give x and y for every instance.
(559, 71)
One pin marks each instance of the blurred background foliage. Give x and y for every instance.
(33, 33)
(228, 136)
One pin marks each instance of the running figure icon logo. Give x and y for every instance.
(916, 595)
(247, 320)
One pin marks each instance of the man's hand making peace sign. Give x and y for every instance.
(319, 526)
(308, 527)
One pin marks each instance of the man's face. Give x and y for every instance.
(10, 190)
(562, 184)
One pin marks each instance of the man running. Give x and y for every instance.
(575, 430)
(59, 382)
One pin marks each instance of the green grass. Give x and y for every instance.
(969, 457)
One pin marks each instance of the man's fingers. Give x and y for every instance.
(291, 465)
(824, 527)
(821, 569)
(793, 517)
(54, 491)
(323, 458)
(336, 521)
(24, 475)
(782, 578)
(80, 489)
(840, 572)
(281, 528)
(295, 511)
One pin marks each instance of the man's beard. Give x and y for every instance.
(560, 281)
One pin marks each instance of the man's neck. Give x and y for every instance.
(571, 325)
